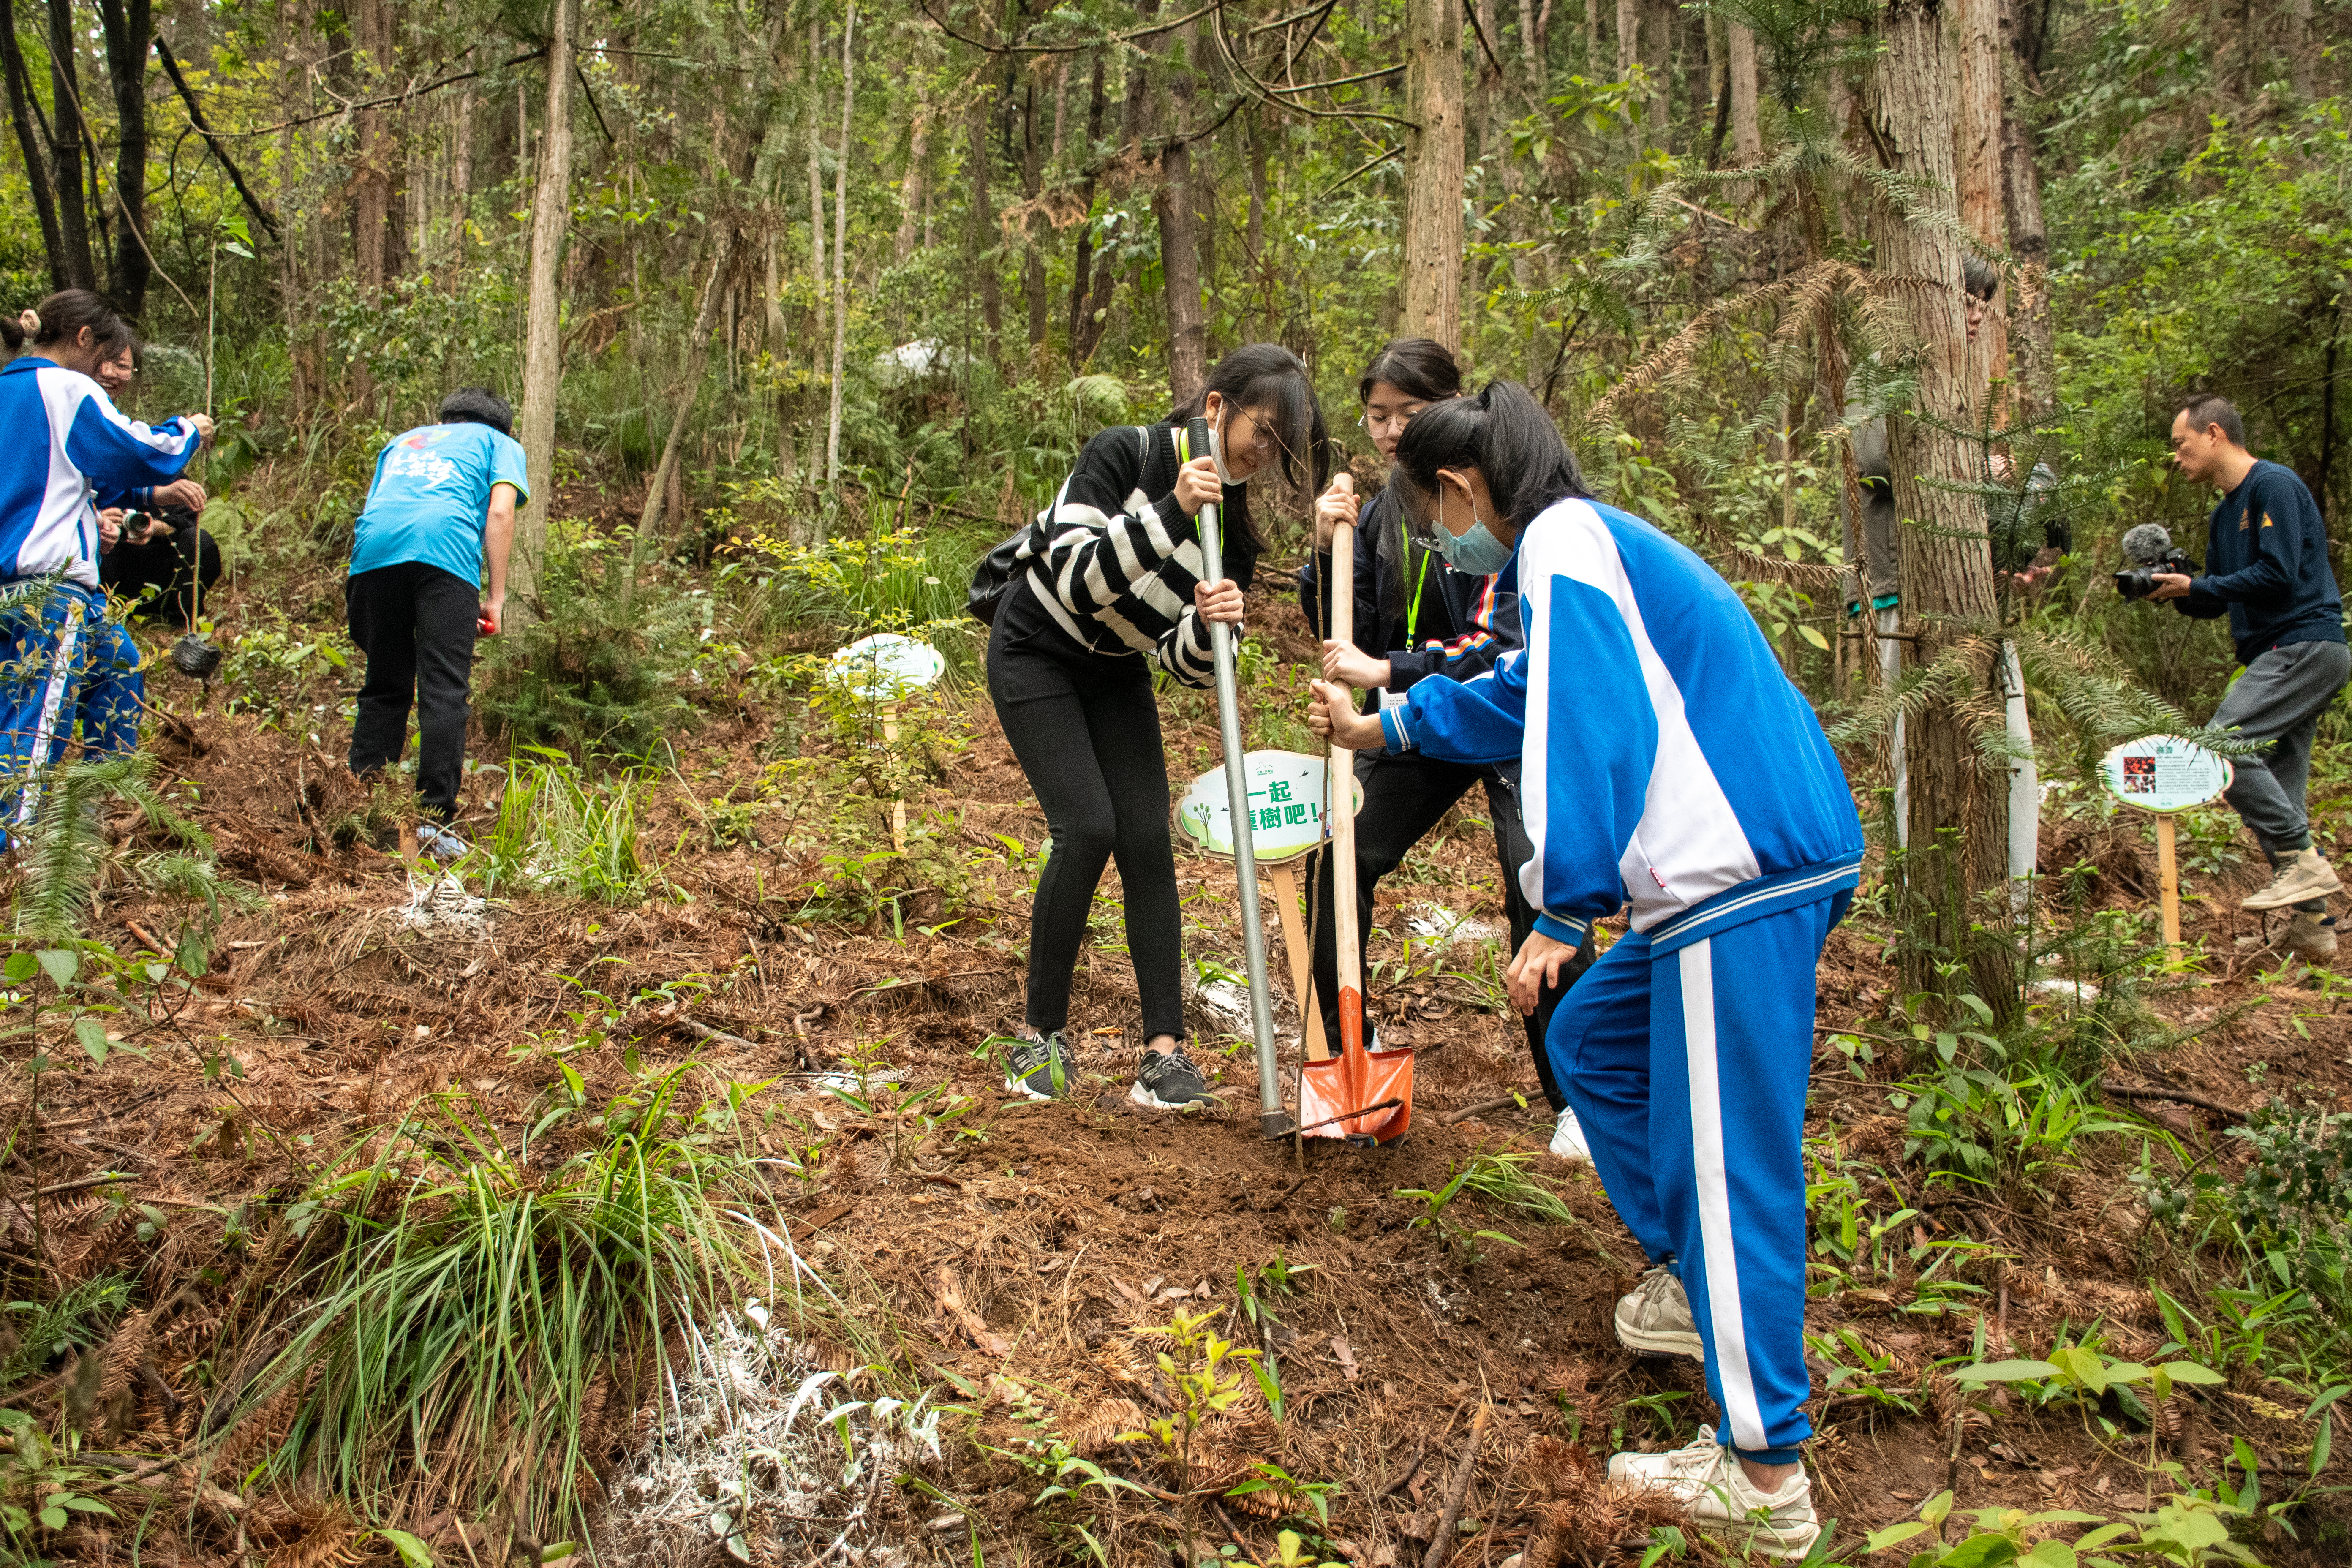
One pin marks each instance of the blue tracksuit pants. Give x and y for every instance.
(113, 693)
(1687, 1068)
(45, 651)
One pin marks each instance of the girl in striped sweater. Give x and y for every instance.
(1107, 593)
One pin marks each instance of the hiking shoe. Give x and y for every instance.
(1567, 1139)
(1707, 1481)
(437, 842)
(2302, 875)
(1167, 1081)
(1039, 1066)
(2310, 937)
(1655, 1320)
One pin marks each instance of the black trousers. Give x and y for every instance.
(415, 624)
(173, 567)
(1405, 795)
(1086, 732)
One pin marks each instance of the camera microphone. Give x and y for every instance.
(2147, 543)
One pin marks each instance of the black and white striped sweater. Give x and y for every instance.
(1114, 560)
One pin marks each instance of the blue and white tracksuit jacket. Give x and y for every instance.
(64, 440)
(1667, 761)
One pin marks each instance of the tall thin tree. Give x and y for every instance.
(841, 246)
(66, 152)
(543, 364)
(129, 29)
(1434, 152)
(24, 117)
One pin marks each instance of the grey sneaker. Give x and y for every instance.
(1167, 1081)
(1039, 1067)
(437, 842)
(2303, 876)
(2310, 937)
(1655, 1320)
(1706, 1480)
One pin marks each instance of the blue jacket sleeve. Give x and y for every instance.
(1584, 779)
(117, 452)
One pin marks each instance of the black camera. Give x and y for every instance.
(2151, 551)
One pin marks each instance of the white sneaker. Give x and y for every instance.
(1655, 1320)
(2303, 876)
(438, 842)
(1706, 1480)
(1567, 1139)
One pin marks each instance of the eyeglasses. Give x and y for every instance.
(1377, 422)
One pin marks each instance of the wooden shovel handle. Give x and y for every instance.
(1339, 807)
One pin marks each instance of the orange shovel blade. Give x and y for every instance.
(1329, 1091)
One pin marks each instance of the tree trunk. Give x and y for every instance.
(1979, 159)
(461, 175)
(1089, 291)
(698, 356)
(984, 237)
(542, 361)
(911, 188)
(373, 256)
(2029, 240)
(841, 245)
(1179, 238)
(65, 150)
(817, 171)
(129, 29)
(1033, 182)
(1747, 133)
(1433, 203)
(1629, 37)
(1658, 56)
(2300, 48)
(1959, 810)
(22, 108)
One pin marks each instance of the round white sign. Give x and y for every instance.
(886, 664)
(1286, 797)
(2164, 773)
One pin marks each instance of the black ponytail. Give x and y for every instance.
(1503, 433)
(64, 316)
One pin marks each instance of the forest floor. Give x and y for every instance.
(1022, 1260)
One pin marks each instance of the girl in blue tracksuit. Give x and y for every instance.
(1668, 764)
(65, 440)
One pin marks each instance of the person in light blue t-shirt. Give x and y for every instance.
(444, 496)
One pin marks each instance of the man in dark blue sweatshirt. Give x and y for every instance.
(2266, 568)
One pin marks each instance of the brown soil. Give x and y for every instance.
(1045, 1250)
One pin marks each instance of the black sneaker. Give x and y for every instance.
(1039, 1067)
(1167, 1081)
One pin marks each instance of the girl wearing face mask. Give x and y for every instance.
(1665, 760)
(1107, 591)
(1434, 623)
(69, 440)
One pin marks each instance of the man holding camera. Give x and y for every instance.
(2266, 567)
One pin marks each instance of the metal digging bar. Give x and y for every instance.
(1272, 1120)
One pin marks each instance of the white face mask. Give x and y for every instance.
(1217, 450)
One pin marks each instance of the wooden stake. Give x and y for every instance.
(1302, 961)
(2167, 880)
(897, 808)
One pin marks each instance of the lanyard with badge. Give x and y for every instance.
(1389, 696)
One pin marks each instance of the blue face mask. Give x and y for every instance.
(1477, 552)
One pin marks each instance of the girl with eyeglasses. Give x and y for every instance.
(1432, 622)
(170, 552)
(1107, 591)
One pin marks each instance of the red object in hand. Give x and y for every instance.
(487, 627)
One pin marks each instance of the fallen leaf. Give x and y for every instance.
(951, 1302)
(1347, 1355)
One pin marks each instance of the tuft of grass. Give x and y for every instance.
(480, 1323)
(1505, 1179)
(559, 830)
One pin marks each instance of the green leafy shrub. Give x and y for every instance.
(587, 674)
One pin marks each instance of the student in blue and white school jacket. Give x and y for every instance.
(64, 439)
(1665, 760)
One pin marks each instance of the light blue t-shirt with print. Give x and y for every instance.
(431, 497)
